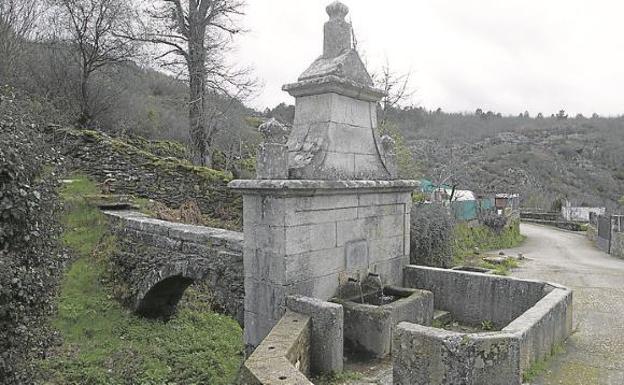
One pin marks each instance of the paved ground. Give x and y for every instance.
(594, 355)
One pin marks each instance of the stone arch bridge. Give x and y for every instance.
(157, 261)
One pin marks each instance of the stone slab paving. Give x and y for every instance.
(594, 354)
(373, 372)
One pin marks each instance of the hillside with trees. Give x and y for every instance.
(543, 159)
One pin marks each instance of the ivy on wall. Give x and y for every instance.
(30, 261)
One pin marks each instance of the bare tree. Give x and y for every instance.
(397, 88)
(17, 23)
(195, 36)
(91, 29)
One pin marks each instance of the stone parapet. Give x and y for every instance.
(327, 339)
(283, 357)
(157, 260)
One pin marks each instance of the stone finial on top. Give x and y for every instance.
(337, 10)
(338, 32)
(272, 156)
(274, 132)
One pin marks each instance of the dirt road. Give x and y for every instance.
(594, 355)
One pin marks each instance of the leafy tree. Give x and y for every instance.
(561, 115)
(283, 113)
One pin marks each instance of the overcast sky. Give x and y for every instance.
(502, 55)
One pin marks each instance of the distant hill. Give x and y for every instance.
(542, 158)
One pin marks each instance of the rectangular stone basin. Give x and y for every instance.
(530, 319)
(368, 326)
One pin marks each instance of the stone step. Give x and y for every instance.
(442, 316)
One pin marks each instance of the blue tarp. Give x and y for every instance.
(469, 210)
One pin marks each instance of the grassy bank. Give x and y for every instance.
(103, 343)
(467, 239)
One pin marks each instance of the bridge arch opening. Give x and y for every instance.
(161, 300)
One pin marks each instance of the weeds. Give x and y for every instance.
(540, 366)
(106, 344)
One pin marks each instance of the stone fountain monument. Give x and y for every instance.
(326, 207)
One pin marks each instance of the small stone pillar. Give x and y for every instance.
(390, 156)
(340, 213)
(272, 157)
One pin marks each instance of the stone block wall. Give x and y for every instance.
(428, 356)
(580, 214)
(327, 336)
(592, 233)
(617, 245)
(125, 169)
(306, 244)
(345, 127)
(540, 216)
(151, 251)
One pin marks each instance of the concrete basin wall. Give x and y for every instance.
(474, 297)
(424, 355)
(544, 326)
(427, 356)
(283, 357)
(368, 328)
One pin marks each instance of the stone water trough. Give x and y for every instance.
(529, 319)
(371, 314)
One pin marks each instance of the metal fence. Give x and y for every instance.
(608, 225)
(466, 211)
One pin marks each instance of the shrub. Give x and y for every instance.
(30, 261)
(493, 221)
(431, 236)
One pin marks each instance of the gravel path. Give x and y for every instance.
(594, 354)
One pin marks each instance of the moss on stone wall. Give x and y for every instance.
(123, 168)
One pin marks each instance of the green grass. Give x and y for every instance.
(84, 225)
(540, 366)
(338, 378)
(103, 343)
(468, 238)
(502, 268)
